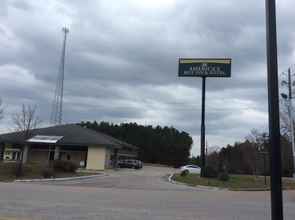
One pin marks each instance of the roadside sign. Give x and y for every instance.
(192, 67)
(204, 67)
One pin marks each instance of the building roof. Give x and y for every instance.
(72, 134)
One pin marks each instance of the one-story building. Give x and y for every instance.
(88, 148)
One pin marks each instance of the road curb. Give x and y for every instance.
(209, 188)
(60, 179)
(220, 189)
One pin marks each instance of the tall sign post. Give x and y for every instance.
(273, 108)
(191, 67)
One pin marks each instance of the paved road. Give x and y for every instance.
(149, 178)
(130, 195)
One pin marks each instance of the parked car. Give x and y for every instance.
(191, 169)
(130, 163)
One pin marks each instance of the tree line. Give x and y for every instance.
(251, 156)
(164, 145)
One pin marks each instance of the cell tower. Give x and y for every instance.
(56, 112)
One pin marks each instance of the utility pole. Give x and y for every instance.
(274, 113)
(290, 112)
(203, 157)
(57, 106)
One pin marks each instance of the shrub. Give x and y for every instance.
(65, 166)
(19, 170)
(223, 176)
(184, 173)
(11, 169)
(210, 172)
(47, 172)
(15, 169)
(285, 173)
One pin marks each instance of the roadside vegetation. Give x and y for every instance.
(250, 157)
(219, 177)
(234, 182)
(12, 171)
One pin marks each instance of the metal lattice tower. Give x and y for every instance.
(56, 112)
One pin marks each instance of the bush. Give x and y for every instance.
(15, 169)
(184, 173)
(223, 176)
(65, 166)
(47, 172)
(285, 173)
(18, 170)
(6, 169)
(210, 172)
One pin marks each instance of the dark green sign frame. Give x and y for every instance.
(204, 67)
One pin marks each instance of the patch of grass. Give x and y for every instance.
(235, 182)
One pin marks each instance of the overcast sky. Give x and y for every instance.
(121, 62)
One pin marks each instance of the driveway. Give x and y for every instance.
(128, 195)
(148, 178)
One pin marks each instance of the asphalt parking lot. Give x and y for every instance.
(148, 178)
(129, 194)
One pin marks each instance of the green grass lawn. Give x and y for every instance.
(236, 182)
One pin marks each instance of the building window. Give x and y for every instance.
(51, 155)
(12, 154)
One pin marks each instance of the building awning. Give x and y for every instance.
(45, 139)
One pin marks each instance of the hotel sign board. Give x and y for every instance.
(204, 67)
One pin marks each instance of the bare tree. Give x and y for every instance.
(26, 120)
(285, 125)
(285, 120)
(1, 109)
(258, 139)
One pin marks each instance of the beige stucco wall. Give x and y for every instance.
(96, 158)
